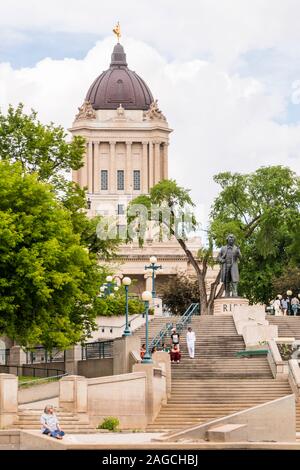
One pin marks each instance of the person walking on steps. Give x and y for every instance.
(190, 340)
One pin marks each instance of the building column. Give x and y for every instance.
(165, 161)
(90, 167)
(151, 165)
(156, 162)
(96, 167)
(112, 168)
(148, 282)
(145, 188)
(82, 172)
(128, 172)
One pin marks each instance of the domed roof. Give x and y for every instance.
(119, 85)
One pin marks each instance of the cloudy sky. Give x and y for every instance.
(226, 73)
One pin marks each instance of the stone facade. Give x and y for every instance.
(126, 154)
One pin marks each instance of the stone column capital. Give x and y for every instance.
(112, 143)
(128, 142)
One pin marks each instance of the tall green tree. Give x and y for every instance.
(47, 151)
(49, 282)
(169, 208)
(262, 210)
(180, 292)
(41, 149)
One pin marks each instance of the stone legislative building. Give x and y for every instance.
(127, 140)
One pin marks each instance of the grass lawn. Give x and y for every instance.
(29, 381)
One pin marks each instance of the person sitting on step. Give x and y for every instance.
(50, 424)
(143, 351)
(175, 353)
(165, 348)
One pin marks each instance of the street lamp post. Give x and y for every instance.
(126, 283)
(147, 296)
(289, 293)
(154, 267)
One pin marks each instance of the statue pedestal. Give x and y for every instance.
(225, 305)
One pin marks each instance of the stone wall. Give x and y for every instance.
(95, 367)
(122, 396)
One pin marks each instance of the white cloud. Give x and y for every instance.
(221, 120)
(225, 29)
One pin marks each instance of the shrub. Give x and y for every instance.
(115, 306)
(111, 423)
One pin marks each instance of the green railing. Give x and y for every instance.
(184, 320)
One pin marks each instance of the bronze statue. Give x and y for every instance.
(228, 257)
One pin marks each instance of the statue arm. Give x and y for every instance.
(221, 257)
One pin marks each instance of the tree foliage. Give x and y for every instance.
(180, 292)
(42, 149)
(167, 197)
(48, 281)
(288, 280)
(262, 210)
(46, 151)
(115, 306)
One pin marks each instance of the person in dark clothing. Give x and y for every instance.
(175, 337)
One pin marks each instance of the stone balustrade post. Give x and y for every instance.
(73, 394)
(8, 399)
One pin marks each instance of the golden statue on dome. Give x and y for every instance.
(117, 31)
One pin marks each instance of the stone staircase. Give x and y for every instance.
(69, 422)
(216, 383)
(155, 325)
(288, 326)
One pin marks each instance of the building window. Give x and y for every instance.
(104, 180)
(120, 209)
(120, 180)
(136, 180)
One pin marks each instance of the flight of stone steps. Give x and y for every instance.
(288, 326)
(215, 383)
(69, 422)
(156, 324)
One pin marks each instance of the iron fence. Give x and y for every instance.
(31, 371)
(4, 357)
(97, 350)
(42, 355)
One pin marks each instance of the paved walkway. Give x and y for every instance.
(111, 438)
(39, 405)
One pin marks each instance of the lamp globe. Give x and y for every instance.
(146, 296)
(126, 281)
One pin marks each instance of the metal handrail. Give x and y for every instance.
(185, 318)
